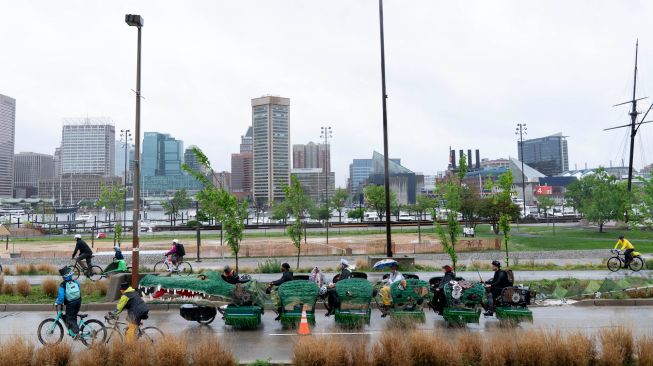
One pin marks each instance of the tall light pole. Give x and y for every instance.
(136, 21)
(125, 138)
(521, 131)
(326, 134)
(386, 174)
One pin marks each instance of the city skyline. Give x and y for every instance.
(439, 92)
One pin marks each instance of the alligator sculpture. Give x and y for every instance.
(202, 294)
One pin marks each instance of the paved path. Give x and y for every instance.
(271, 341)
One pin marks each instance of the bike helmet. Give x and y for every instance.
(621, 237)
(116, 248)
(78, 236)
(66, 273)
(496, 263)
(175, 241)
(323, 290)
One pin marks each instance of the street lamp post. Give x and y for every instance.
(386, 175)
(125, 138)
(521, 131)
(136, 21)
(326, 134)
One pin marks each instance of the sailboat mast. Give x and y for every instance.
(633, 122)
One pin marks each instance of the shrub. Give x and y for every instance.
(320, 351)
(171, 351)
(270, 265)
(88, 288)
(9, 289)
(617, 346)
(101, 287)
(497, 353)
(21, 269)
(132, 353)
(96, 355)
(59, 354)
(50, 287)
(208, 350)
(391, 350)
(645, 351)
(470, 347)
(432, 350)
(24, 288)
(2, 281)
(46, 269)
(7, 271)
(16, 352)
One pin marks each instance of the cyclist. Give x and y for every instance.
(85, 253)
(495, 286)
(393, 277)
(286, 275)
(137, 309)
(70, 294)
(174, 255)
(627, 248)
(118, 264)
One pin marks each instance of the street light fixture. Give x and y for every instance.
(521, 131)
(326, 134)
(386, 173)
(134, 20)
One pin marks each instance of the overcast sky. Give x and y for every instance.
(459, 73)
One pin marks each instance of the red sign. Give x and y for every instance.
(543, 190)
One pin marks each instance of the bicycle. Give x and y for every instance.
(183, 268)
(617, 261)
(94, 274)
(151, 334)
(51, 331)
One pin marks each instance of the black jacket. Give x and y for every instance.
(233, 279)
(82, 248)
(499, 281)
(136, 307)
(344, 274)
(448, 276)
(285, 277)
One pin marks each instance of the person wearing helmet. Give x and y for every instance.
(118, 264)
(70, 295)
(627, 249)
(137, 309)
(85, 253)
(117, 254)
(495, 286)
(173, 255)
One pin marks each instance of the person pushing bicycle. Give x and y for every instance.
(627, 249)
(85, 253)
(137, 309)
(70, 294)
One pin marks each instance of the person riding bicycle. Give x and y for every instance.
(174, 255)
(393, 277)
(495, 287)
(85, 253)
(333, 301)
(439, 297)
(69, 294)
(137, 309)
(118, 264)
(627, 249)
(286, 275)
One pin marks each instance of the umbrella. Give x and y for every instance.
(385, 263)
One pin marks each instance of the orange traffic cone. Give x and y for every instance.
(303, 324)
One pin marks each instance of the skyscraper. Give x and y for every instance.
(547, 155)
(162, 155)
(88, 146)
(57, 162)
(271, 148)
(190, 159)
(241, 179)
(360, 171)
(7, 134)
(311, 156)
(29, 169)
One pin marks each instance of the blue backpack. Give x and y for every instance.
(72, 290)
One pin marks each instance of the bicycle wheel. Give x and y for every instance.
(636, 264)
(95, 273)
(114, 335)
(185, 269)
(92, 331)
(76, 272)
(161, 267)
(151, 334)
(614, 264)
(50, 332)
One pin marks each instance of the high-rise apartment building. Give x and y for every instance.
(271, 148)
(162, 155)
(29, 169)
(241, 179)
(547, 155)
(311, 156)
(7, 138)
(88, 146)
(57, 161)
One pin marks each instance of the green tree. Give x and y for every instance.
(339, 200)
(217, 203)
(470, 206)
(111, 198)
(600, 197)
(280, 212)
(451, 191)
(298, 204)
(179, 201)
(427, 203)
(546, 203)
(357, 214)
(643, 206)
(375, 199)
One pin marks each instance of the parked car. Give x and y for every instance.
(101, 236)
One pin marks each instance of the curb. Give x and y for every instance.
(616, 302)
(104, 306)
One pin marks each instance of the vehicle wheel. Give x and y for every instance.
(614, 264)
(636, 264)
(95, 273)
(161, 267)
(207, 321)
(114, 336)
(185, 269)
(93, 332)
(76, 273)
(50, 332)
(151, 334)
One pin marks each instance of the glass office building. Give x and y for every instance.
(547, 155)
(7, 133)
(88, 146)
(161, 165)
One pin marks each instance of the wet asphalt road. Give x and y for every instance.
(270, 341)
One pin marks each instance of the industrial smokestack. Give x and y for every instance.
(452, 157)
(478, 159)
(469, 159)
(462, 152)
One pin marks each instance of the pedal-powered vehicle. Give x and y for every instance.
(293, 296)
(355, 295)
(408, 297)
(459, 302)
(201, 295)
(512, 306)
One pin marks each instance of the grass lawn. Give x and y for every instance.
(39, 297)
